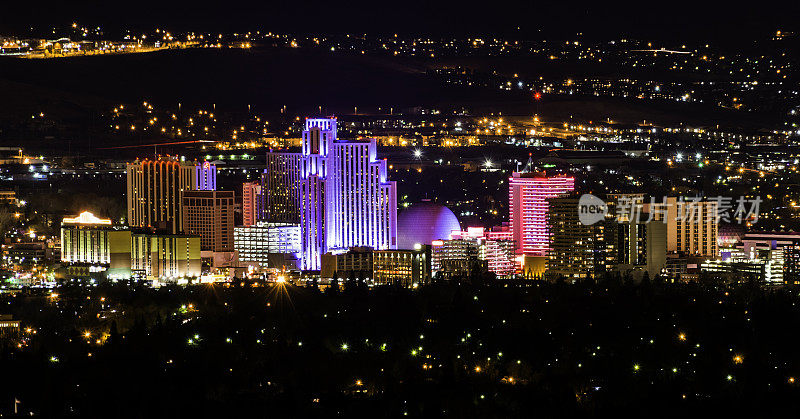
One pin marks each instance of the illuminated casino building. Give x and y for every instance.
(206, 177)
(154, 192)
(528, 195)
(96, 244)
(337, 190)
(494, 247)
(165, 257)
(499, 250)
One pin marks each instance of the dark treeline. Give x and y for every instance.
(458, 350)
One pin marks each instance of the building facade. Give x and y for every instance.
(206, 177)
(528, 207)
(251, 194)
(456, 258)
(499, 251)
(407, 268)
(576, 250)
(165, 257)
(209, 214)
(691, 225)
(88, 240)
(337, 190)
(154, 189)
(273, 245)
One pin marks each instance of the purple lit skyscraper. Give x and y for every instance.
(337, 190)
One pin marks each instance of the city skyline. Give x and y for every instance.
(455, 209)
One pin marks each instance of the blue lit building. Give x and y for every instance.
(206, 177)
(337, 190)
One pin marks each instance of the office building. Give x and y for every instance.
(209, 214)
(641, 246)
(641, 240)
(775, 252)
(27, 253)
(355, 263)
(406, 268)
(791, 265)
(578, 251)
(625, 242)
(496, 248)
(251, 194)
(336, 189)
(734, 270)
(154, 189)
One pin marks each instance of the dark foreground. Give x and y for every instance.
(445, 350)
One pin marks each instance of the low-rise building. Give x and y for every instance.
(457, 258)
(273, 245)
(165, 257)
(407, 268)
(9, 327)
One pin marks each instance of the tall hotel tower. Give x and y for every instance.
(528, 206)
(154, 192)
(337, 190)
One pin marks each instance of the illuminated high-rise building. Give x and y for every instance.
(528, 206)
(154, 192)
(578, 250)
(206, 177)
(279, 201)
(692, 226)
(251, 193)
(336, 189)
(209, 214)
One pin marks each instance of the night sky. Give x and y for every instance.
(669, 20)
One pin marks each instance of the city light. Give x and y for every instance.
(351, 221)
